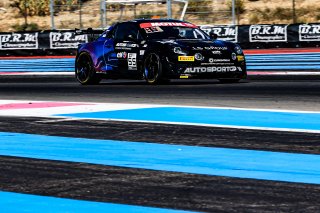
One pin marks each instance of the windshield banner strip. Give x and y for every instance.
(167, 24)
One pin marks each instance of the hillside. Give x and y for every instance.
(214, 12)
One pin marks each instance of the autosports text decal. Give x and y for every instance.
(66, 40)
(167, 24)
(224, 32)
(268, 33)
(19, 41)
(309, 32)
(211, 69)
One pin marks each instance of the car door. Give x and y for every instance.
(127, 39)
(109, 54)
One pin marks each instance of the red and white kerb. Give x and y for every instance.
(167, 24)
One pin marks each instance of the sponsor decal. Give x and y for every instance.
(216, 52)
(66, 40)
(210, 69)
(268, 33)
(185, 58)
(19, 41)
(217, 64)
(211, 60)
(184, 76)
(309, 32)
(153, 29)
(122, 55)
(224, 32)
(240, 57)
(132, 61)
(233, 56)
(167, 24)
(126, 46)
(210, 48)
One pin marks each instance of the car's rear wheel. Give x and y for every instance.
(85, 72)
(153, 69)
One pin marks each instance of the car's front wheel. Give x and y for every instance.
(85, 72)
(152, 68)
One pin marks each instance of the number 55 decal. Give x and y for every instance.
(132, 61)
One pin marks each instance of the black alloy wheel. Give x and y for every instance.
(153, 69)
(85, 72)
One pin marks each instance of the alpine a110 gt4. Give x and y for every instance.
(158, 50)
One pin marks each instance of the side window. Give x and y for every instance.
(111, 34)
(126, 29)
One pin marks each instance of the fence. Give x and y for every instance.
(69, 14)
(100, 13)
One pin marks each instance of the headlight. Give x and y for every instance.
(178, 50)
(198, 56)
(238, 50)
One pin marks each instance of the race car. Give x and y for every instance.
(158, 50)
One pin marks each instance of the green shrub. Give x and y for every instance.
(254, 19)
(26, 27)
(42, 7)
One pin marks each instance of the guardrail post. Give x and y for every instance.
(103, 13)
(169, 9)
(233, 12)
(80, 13)
(52, 14)
(294, 19)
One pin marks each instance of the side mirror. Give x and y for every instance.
(213, 35)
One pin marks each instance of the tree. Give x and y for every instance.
(41, 7)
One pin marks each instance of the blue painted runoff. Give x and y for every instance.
(263, 165)
(19, 203)
(212, 116)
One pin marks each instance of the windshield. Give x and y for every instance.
(169, 30)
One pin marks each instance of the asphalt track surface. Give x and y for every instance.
(172, 190)
(268, 92)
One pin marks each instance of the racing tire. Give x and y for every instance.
(229, 80)
(85, 72)
(153, 69)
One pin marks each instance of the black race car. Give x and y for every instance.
(158, 50)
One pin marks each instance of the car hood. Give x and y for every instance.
(197, 43)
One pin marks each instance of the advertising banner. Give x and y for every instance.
(224, 32)
(268, 33)
(309, 32)
(66, 40)
(16, 41)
